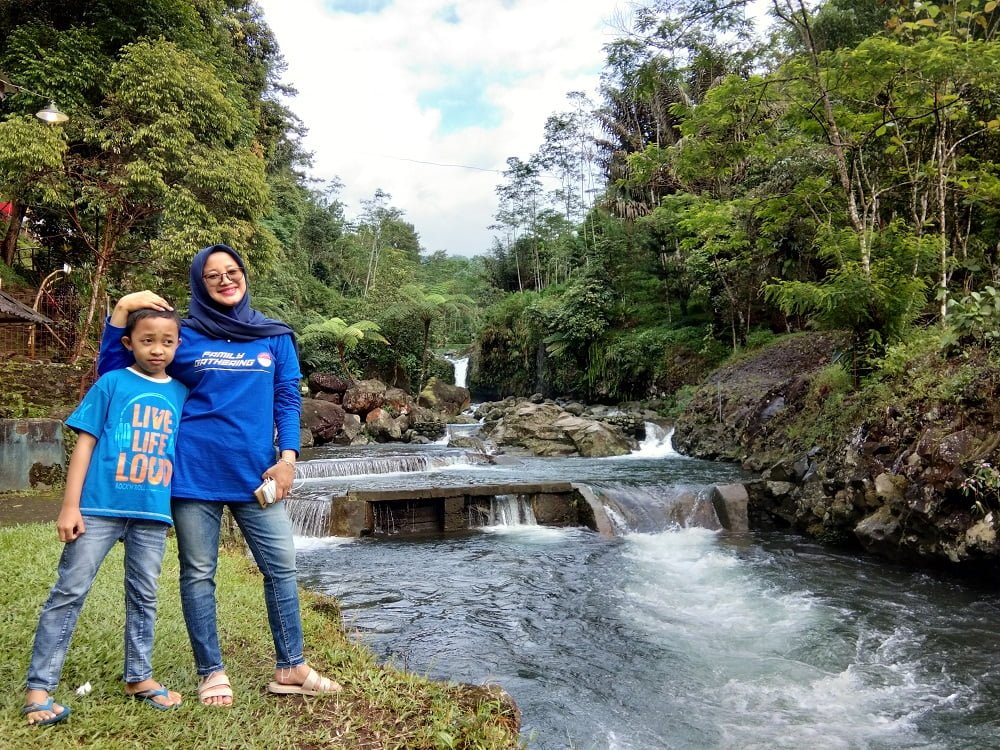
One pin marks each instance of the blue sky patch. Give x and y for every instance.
(463, 103)
(358, 7)
(449, 15)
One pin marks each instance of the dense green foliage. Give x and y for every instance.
(841, 172)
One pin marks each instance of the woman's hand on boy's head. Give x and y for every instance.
(70, 524)
(137, 301)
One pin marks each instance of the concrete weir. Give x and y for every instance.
(437, 510)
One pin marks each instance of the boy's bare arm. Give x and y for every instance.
(70, 522)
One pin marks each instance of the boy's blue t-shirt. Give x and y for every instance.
(135, 419)
(244, 397)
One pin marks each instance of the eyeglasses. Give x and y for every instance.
(235, 275)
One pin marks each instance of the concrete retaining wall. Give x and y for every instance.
(31, 453)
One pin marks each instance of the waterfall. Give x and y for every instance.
(310, 516)
(503, 510)
(652, 509)
(461, 365)
(325, 468)
(658, 442)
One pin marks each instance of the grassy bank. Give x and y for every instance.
(380, 707)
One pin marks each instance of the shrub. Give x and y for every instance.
(974, 319)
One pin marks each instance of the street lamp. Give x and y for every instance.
(50, 114)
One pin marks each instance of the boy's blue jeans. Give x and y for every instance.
(78, 565)
(268, 533)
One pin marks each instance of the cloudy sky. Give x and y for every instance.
(384, 85)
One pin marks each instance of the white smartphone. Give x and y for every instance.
(266, 493)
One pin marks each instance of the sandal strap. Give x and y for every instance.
(216, 685)
(315, 681)
(30, 708)
(161, 691)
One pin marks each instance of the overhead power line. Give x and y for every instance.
(440, 164)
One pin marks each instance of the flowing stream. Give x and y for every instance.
(668, 635)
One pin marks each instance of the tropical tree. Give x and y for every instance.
(161, 153)
(337, 334)
(427, 305)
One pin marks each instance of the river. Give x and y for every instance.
(664, 636)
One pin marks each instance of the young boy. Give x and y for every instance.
(117, 488)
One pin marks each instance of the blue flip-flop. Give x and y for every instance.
(146, 696)
(30, 708)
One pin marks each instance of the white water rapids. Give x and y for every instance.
(679, 638)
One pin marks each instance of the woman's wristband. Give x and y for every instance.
(286, 461)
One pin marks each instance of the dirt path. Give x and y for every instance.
(18, 510)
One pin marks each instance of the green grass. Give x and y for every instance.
(380, 707)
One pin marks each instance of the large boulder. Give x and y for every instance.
(444, 397)
(383, 427)
(323, 419)
(326, 382)
(364, 396)
(398, 401)
(547, 430)
(592, 438)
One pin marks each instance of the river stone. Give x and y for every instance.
(890, 487)
(954, 448)
(323, 418)
(469, 442)
(780, 489)
(305, 437)
(880, 532)
(730, 501)
(983, 535)
(364, 396)
(351, 427)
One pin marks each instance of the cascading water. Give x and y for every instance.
(310, 516)
(347, 467)
(658, 442)
(655, 508)
(510, 510)
(672, 637)
(461, 365)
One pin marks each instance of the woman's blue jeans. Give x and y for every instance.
(268, 532)
(78, 565)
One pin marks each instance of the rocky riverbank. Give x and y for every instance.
(890, 466)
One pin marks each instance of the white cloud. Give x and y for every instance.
(362, 79)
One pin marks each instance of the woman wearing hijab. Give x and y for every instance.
(243, 374)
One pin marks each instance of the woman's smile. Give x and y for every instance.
(224, 279)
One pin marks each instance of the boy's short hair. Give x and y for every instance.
(147, 312)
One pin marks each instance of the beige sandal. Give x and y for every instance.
(314, 684)
(215, 685)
